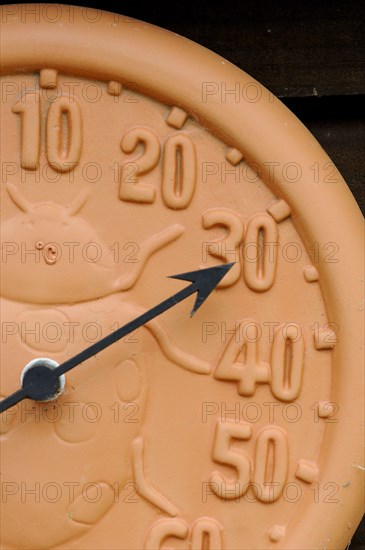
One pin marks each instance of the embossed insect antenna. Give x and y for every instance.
(67, 260)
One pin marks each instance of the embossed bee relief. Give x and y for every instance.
(204, 431)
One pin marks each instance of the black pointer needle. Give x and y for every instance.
(41, 383)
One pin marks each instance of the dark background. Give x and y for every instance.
(310, 54)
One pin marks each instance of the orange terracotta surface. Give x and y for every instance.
(129, 154)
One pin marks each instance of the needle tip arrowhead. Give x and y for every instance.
(204, 281)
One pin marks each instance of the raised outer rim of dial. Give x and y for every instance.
(173, 69)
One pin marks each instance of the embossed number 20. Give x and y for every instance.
(63, 132)
(178, 168)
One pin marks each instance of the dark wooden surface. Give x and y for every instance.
(310, 54)
(295, 48)
(336, 123)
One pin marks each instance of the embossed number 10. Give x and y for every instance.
(63, 132)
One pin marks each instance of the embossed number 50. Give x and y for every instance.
(270, 466)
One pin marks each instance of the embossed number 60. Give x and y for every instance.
(203, 534)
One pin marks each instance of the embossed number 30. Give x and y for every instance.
(260, 234)
(63, 132)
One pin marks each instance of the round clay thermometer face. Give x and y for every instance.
(129, 154)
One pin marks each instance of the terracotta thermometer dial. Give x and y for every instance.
(129, 154)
